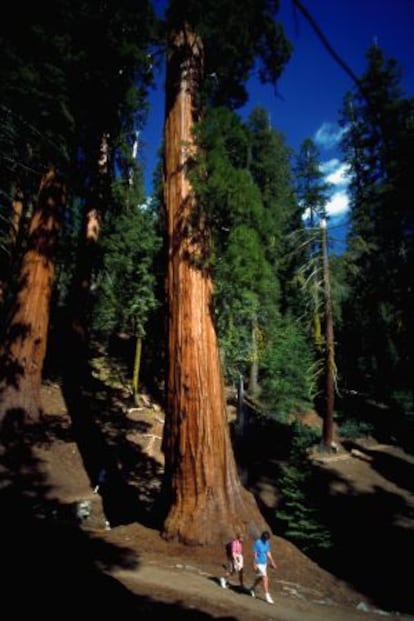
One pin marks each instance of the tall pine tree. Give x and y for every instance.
(379, 315)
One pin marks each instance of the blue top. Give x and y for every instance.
(261, 549)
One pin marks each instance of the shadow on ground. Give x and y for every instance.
(51, 568)
(372, 531)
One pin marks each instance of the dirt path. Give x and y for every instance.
(130, 568)
(192, 589)
(187, 579)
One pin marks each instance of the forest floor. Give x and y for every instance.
(70, 548)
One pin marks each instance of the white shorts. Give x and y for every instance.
(238, 562)
(261, 570)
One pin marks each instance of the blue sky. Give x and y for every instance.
(310, 91)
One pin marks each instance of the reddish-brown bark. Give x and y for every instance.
(24, 347)
(206, 501)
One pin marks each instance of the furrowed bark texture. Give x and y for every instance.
(24, 347)
(206, 502)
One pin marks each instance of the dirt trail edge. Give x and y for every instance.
(194, 589)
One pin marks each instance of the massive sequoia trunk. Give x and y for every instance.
(205, 499)
(24, 347)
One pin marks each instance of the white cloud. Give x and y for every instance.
(330, 165)
(339, 176)
(338, 204)
(328, 135)
(336, 173)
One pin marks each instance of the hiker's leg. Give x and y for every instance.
(256, 581)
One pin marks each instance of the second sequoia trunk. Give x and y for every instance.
(24, 347)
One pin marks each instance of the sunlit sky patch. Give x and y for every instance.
(328, 135)
(336, 175)
(338, 204)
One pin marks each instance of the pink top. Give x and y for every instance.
(236, 547)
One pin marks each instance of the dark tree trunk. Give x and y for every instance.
(24, 347)
(81, 285)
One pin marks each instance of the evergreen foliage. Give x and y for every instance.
(288, 378)
(243, 184)
(270, 166)
(313, 194)
(311, 188)
(378, 145)
(63, 91)
(298, 516)
(238, 39)
(125, 284)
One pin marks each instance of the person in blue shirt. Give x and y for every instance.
(262, 556)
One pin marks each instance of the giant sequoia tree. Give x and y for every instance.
(24, 346)
(32, 78)
(73, 99)
(202, 491)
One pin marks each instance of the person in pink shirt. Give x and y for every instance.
(234, 561)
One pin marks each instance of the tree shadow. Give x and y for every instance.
(236, 588)
(397, 470)
(42, 555)
(51, 566)
(120, 471)
(372, 532)
(372, 540)
(389, 423)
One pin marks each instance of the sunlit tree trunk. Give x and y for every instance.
(330, 369)
(137, 366)
(202, 489)
(24, 347)
(316, 307)
(254, 363)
